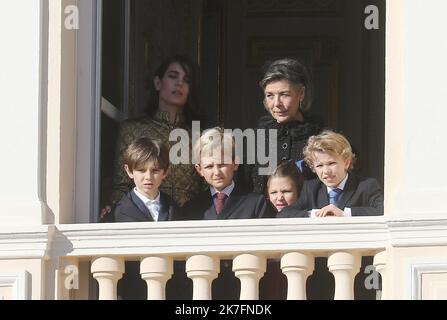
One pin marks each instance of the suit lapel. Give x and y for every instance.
(143, 210)
(210, 212)
(231, 203)
(165, 213)
(348, 191)
(322, 197)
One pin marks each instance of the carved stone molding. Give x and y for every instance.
(15, 285)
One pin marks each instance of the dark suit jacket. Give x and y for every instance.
(363, 195)
(131, 209)
(239, 205)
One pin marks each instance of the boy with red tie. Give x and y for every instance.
(224, 199)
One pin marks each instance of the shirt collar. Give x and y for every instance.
(145, 199)
(341, 186)
(227, 190)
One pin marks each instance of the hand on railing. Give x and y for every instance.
(329, 211)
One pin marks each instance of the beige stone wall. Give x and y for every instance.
(417, 273)
(415, 103)
(20, 102)
(415, 107)
(36, 279)
(61, 120)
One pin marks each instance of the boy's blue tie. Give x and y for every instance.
(334, 194)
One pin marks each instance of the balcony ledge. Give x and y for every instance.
(25, 242)
(224, 237)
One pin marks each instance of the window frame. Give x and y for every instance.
(88, 113)
(90, 104)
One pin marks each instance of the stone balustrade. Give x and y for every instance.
(203, 244)
(249, 268)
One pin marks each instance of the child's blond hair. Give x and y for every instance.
(215, 142)
(331, 143)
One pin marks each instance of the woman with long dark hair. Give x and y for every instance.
(173, 103)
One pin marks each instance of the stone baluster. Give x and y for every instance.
(107, 271)
(249, 268)
(297, 267)
(344, 266)
(156, 271)
(202, 269)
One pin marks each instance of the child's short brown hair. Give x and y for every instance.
(144, 150)
(331, 143)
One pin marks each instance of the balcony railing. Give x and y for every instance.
(248, 243)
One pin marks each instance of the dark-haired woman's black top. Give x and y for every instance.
(292, 137)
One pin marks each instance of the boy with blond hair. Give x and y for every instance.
(225, 199)
(337, 191)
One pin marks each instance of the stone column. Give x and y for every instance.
(249, 268)
(344, 266)
(156, 271)
(107, 271)
(297, 267)
(202, 270)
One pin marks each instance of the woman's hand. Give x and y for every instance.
(329, 211)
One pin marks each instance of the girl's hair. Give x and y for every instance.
(288, 168)
(331, 143)
(190, 109)
(294, 72)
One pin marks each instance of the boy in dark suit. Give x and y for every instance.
(146, 162)
(224, 199)
(337, 191)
